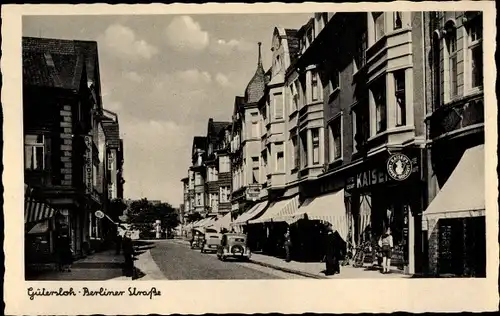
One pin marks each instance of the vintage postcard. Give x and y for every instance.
(237, 158)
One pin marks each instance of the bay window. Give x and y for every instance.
(475, 52)
(360, 53)
(378, 19)
(278, 105)
(398, 20)
(303, 149)
(255, 170)
(280, 161)
(452, 59)
(399, 81)
(34, 152)
(335, 138)
(315, 145)
(314, 86)
(378, 92)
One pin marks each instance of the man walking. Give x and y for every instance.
(288, 245)
(128, 254)
(332, 252)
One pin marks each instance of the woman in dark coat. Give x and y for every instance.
(332, 252)
(128, 254)
(65, 253)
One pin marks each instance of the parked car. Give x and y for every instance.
(197, 239)
(233, 245)
(211, 241)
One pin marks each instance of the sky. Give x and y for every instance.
(165, 76)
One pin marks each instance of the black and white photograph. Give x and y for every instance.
(212, 146)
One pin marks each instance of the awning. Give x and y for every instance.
(463, 194)
(274, 212)
(223, 222)
(210, 222)
(250, 214)
(40, 228)
(35, 211)
(327, 208)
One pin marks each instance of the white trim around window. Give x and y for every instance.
(333, 153)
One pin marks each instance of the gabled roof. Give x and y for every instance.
(199, 142)
(58, 63)
(293, 43)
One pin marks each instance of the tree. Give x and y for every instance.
(167, 214)
(116, 208)
(143, 215)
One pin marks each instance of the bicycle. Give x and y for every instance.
(360, 254)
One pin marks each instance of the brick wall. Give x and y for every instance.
(66, 145)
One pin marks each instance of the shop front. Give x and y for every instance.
(385, 192)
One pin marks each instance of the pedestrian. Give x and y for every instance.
(65, 252)
(118, 240)
(288, 245)
(331, 252)
(386, 243)
(128, 254)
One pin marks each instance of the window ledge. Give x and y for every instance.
(335, 161)
(400, 129)
(333, 94)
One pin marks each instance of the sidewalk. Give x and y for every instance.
(102, 266)
(315, 269)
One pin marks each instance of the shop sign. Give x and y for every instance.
(367, 178)
(252, 193)
(88, 176)
(399, 167)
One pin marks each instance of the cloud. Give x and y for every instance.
(222, 79)
(121, 41)
(183, 33)
(193, 76)
(224, 47)
(133, 76)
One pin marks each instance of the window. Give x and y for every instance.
(399, 81)
(361, 127)
(224, 164)
(315, 145)
(255, 129)
(303, 149)
(280, 161)
(475, 52)
(255, 170)
(378, 91)
(436, 71)
(310, 35)
(197, 179)
(335, 138)
(451, 47)
(278, 105)
(198, 199)
(224, 194)
(378, 18)
(34, 152)
(296, 153)
(294, 105)
(398, 20)
(334, 80)
(314, 86)
(360, 53)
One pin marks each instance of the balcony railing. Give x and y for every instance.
(458, 115)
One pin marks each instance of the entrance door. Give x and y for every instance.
(451, 247)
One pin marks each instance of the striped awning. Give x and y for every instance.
(36, 211)
(250, 214)
(328, 208)
(276, 211)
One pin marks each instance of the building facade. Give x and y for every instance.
(65, 146)
(454, 221)
(246, 142)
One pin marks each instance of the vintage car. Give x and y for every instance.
(233, 245)
(197, 238)
(211, 240)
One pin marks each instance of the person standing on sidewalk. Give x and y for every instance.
(332, 252)
(288, 245)
(65, 253)
(386, 243)
(128, 254)
(118, 240)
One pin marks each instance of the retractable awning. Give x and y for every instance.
(223, 222)
(250, 214)
(36, 211)
(277, 210)
(328, 208)
(210, 222)
(463, 194)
